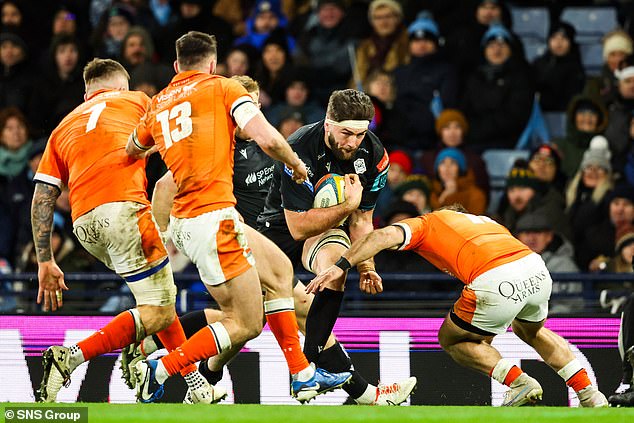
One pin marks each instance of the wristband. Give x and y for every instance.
(343, 264)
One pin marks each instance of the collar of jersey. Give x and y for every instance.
(186, 74)
(96, 93)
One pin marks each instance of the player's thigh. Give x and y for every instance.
(322, 251)
(450, 333)
(216, 243)
(274, 268)
(123, 235)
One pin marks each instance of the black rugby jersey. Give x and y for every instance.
(370, 162)
(252, 175)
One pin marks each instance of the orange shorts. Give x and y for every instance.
(516, 290)
(123, 235)
(215, 242)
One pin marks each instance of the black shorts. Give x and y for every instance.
(290, 247)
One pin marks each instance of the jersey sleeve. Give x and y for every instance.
(414, 229)
(295, 197)
(236, 96)
(52, 169)
(377, 178)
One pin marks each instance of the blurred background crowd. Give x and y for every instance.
(520, 110)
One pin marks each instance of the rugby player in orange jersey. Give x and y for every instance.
(506, 284)
(192, 122)
(112, 219)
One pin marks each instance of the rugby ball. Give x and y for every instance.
(329, 191)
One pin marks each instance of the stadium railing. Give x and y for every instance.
(405, 294)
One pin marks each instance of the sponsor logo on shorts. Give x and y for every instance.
(90, 233)
(518, 291)
(179, 237)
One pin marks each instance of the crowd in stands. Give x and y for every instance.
(450, 80)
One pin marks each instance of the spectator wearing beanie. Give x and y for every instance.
(545, 162)
(452, 128)
(498, 96)
(527, 194)
(426, 75)
(538, 233)
(559, 73)
(454, 183)
(267, 17)
(599, 238)
(387, 46)
(620, 111)
(586, 117)
(415, 189)
(617, 46)
(586, 196)
(401, 166)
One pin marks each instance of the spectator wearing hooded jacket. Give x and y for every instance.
(454, 183)
(498, 97)
(267, 17)
(586, 117)
(559, 73)
(427, 75)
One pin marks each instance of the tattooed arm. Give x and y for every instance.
(50, 276)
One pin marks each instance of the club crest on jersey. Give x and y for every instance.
(244, 153)
(359, 166)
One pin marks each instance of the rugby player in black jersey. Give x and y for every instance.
(340, 144)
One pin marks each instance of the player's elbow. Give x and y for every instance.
(298, 233)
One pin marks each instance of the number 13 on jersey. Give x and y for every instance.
(180, 114)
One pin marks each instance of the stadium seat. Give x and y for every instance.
(531, 22)
(498, 164)
(556, 123)
(533, 48)
(591, 23)
(592, 58)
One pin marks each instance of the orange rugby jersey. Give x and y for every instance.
(463, 245)
(87, 152)
(191, 123)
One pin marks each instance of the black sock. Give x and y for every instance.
(627, 338)
(335, 359)
(212, 376)
(321, 318)
(192, 322)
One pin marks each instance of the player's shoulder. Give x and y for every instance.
(307, 136)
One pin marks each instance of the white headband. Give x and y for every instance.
(354, 124)
(622, 74)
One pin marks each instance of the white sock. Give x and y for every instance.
(501, 370)
(195, 380)
(570, 369)
(305, 374)
(148, 346)
(368, 397)
(76, 357)
(161, 373)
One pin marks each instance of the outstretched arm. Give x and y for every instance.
(387, 238)
(163, 199)
(50, 276)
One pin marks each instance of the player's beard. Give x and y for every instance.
(338, 152)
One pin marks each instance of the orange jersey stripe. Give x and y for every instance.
(87, 152)
(191, 123)
(463, 245)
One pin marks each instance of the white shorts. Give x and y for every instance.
(125, 237)
(215, 242)
(516, 290)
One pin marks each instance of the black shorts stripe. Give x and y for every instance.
(468, 326)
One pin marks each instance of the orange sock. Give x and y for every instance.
(283, 324)
(579, 380)
(513, 374)
(172, 337)
(207, 342)
(119, 333)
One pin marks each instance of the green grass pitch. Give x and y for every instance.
(158, 413)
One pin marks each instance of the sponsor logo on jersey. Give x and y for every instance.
(243, 152)
(328, 166)
(250, 179)
(321, 156)
(359, 166)
(385, 161)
